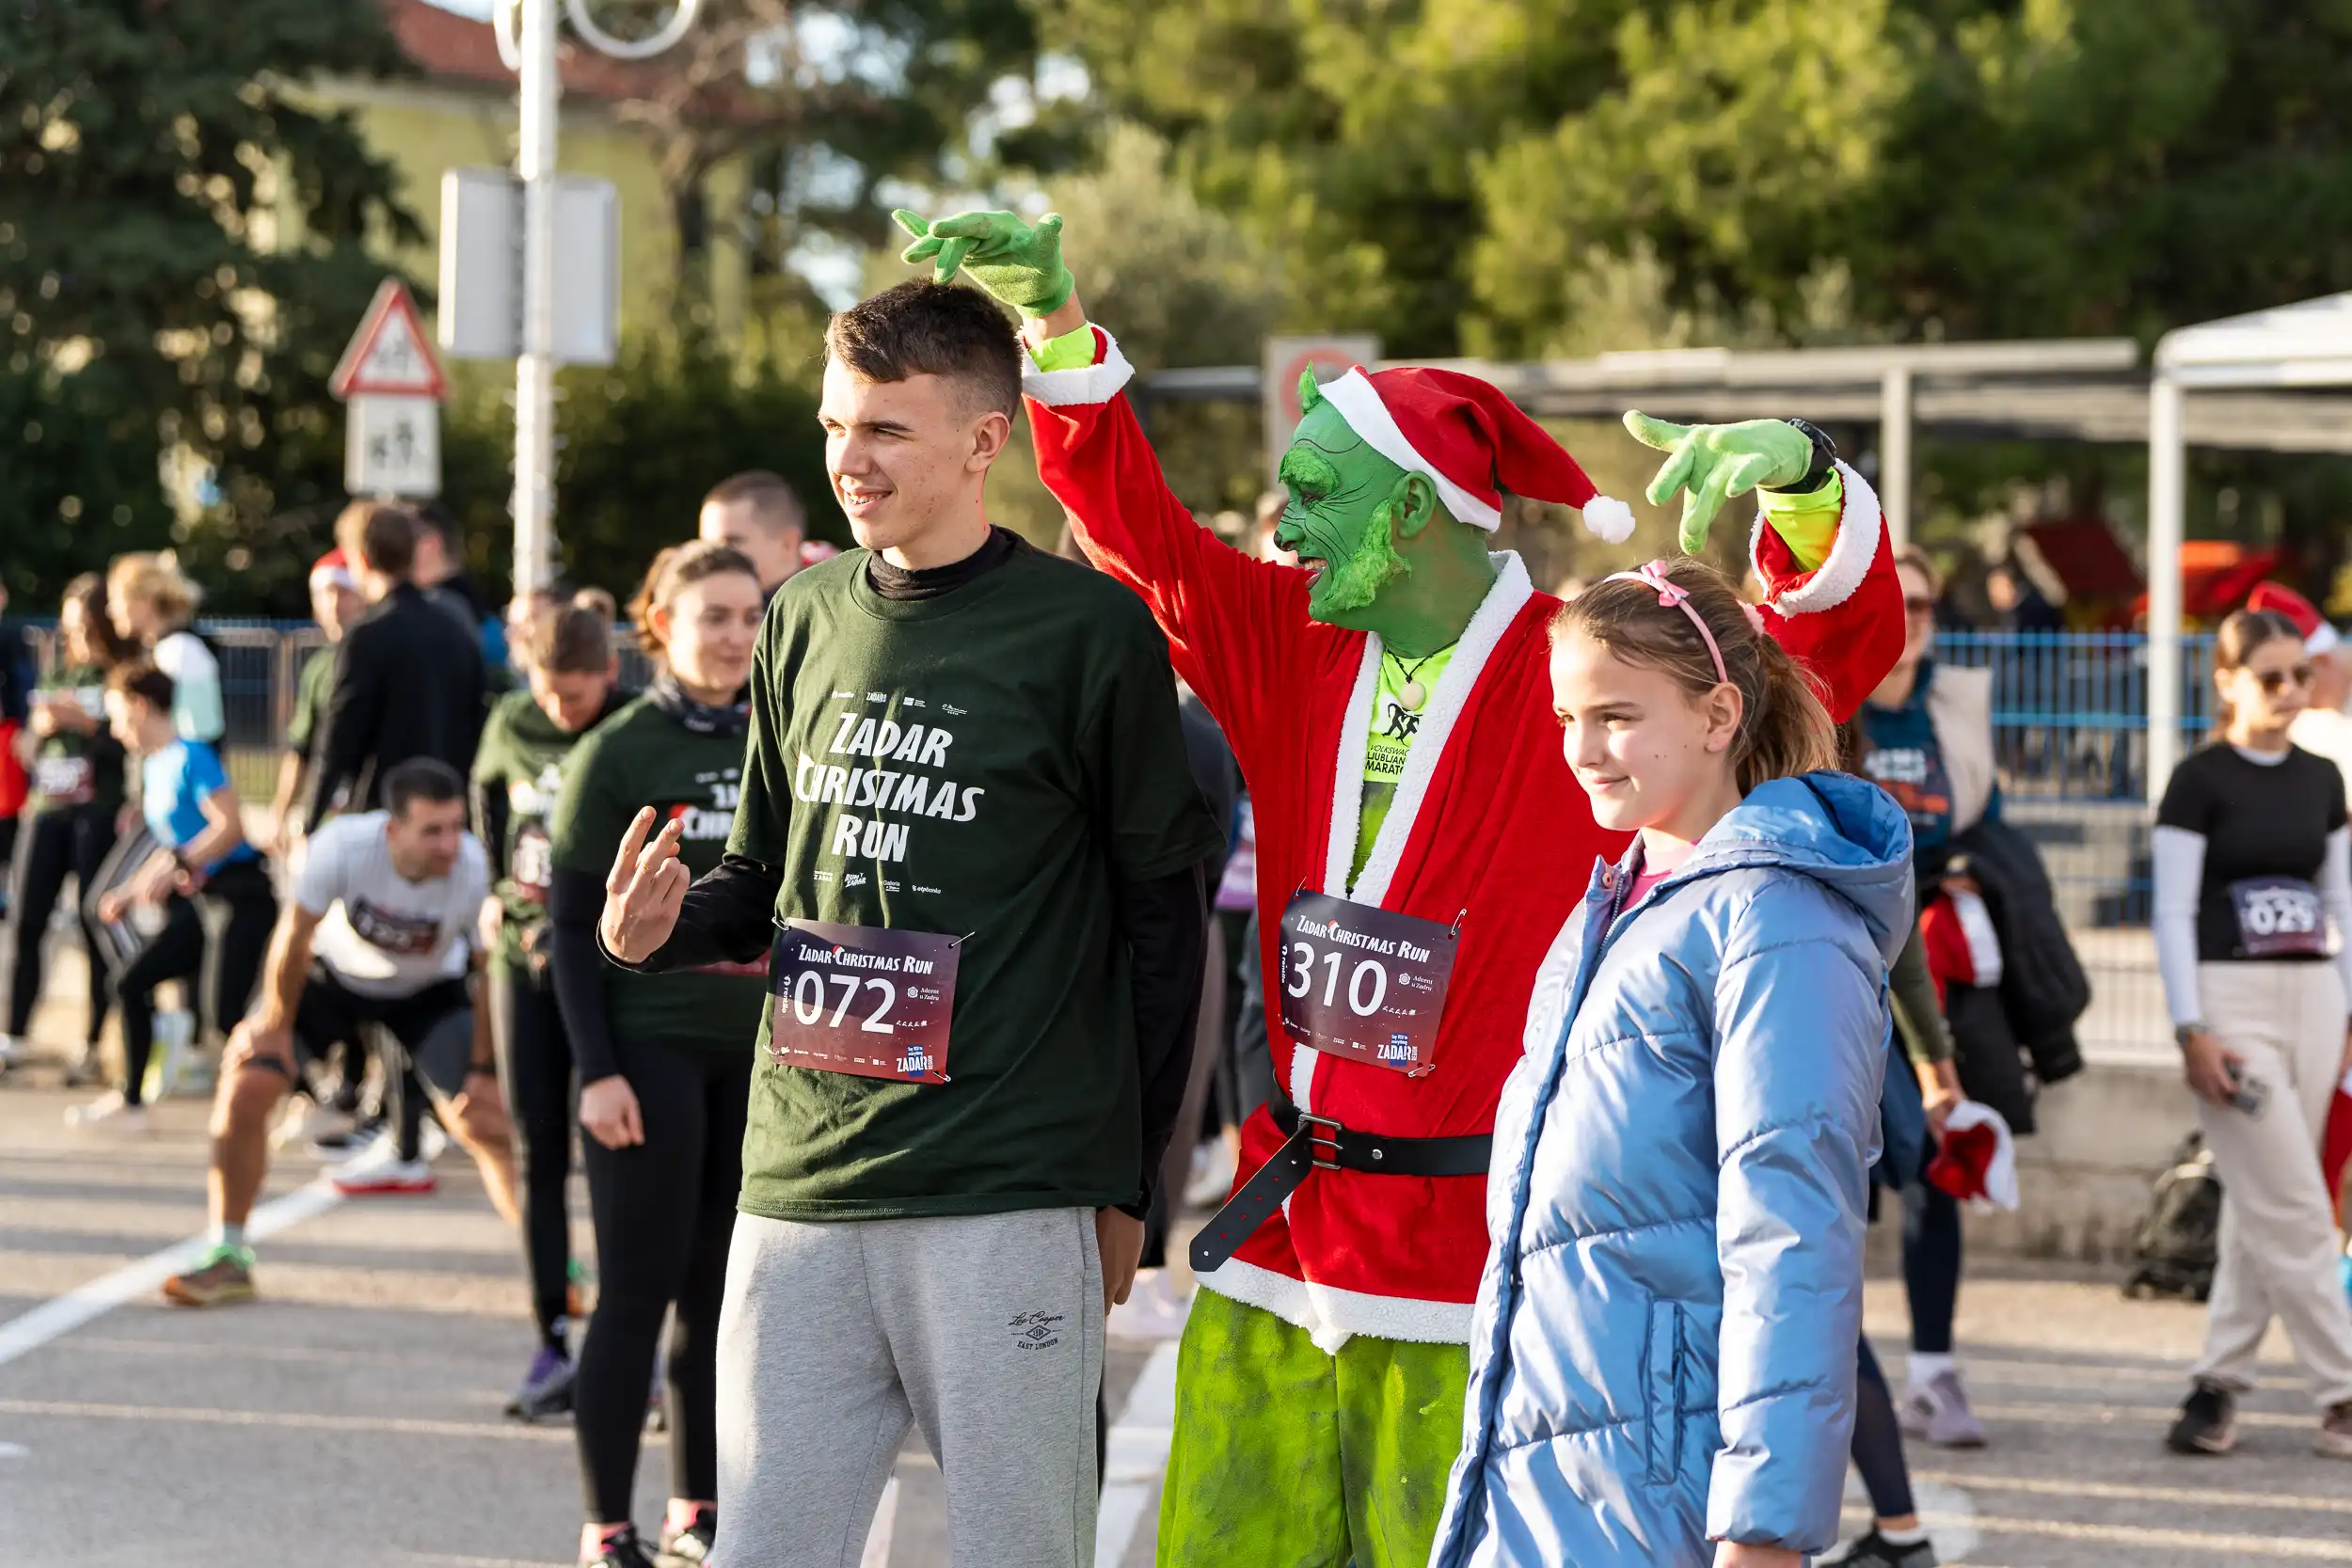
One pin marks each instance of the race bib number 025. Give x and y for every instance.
(1364, 982)
(2278, 915)
(862, 999)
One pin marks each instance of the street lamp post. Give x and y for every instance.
(525, 30)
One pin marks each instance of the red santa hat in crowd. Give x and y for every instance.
(2318, 636)
(332, 571)
(1472, 441)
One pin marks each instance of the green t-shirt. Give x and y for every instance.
(312, 689)
(639, 757)
(993, 763)
(73, 769)
(1390, 741)
(521, 759)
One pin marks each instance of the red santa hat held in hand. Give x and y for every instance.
(1472, 441)
(2318, 636)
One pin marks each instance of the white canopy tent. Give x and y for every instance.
(2308, 344)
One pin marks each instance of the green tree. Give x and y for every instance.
(182, 255)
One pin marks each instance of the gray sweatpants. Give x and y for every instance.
(985, 1331)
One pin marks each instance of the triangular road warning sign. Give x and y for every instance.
(390, 354)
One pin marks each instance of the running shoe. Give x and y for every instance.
(620, 1550)
(382, 1176)
(1939, 1414)
(84, 1070)
(1211, 1180)
(305, 1121)
(2208, 1422)
(1875, 1551)
(224, 1276)
(688, 1548)
(2335, 1432)
(109, 1112)
(12, 1052)
(362, 1137)
(545, 1390)
(658, 1402)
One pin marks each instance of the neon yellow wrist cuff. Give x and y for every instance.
(1071, 350)
(1806, 523)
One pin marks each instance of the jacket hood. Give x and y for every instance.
(1844, 833)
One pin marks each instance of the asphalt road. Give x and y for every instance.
(350, 1417)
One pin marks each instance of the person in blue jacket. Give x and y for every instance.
(1663, 1354)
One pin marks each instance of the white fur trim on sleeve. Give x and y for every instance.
(1859, 529)
(1609, 518)
(1096, 383)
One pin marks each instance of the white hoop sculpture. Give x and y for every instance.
(505, 25)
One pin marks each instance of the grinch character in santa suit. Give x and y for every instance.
(1390, 711)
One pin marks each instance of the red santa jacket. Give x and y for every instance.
(1488, 824)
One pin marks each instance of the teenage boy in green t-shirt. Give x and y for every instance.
(965, 799)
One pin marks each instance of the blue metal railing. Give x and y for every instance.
(2069, 710)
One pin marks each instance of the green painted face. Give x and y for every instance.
(1339, 521)
(1386, 557)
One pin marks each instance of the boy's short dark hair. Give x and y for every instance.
(380, 537)
(140, 678)
(926, 328)
(770, 499)
(420, 779)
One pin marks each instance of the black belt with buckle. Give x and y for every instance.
(1313, 1143)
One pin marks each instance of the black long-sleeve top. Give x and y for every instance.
(409, 682)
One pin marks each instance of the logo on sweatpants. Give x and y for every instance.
(1035, 1330)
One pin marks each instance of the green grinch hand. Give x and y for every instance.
(1017, 263)
(1712, 463)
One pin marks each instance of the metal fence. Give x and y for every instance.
(2069, 726)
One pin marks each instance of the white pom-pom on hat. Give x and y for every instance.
(1609, 518)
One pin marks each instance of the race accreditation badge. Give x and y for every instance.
(1364, 982)
(862, 999)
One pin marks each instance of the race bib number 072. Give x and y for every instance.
(862, 999)
(1364, 982)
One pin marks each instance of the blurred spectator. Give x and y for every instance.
(16, 685)
(153, 931)
(152, 604)
(2017, 604)
(2323, 726)
(335, 604)
(756, 513)
(77, 789)
(440, 571)
(408, 680)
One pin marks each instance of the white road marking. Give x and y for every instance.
(1136, 1460)
(14, 1451)
(29, 1331)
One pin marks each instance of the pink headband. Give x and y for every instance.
(1653, 575)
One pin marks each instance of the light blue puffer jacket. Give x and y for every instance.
(1664, 1348)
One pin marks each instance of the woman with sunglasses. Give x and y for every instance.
(2252, 861)
(1928, 742)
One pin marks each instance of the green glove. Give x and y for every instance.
(1014, 262)
(1712, 463)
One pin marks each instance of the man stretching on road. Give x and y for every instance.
(379, 933)
(969, 837)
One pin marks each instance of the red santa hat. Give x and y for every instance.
(1472, 441)
(331, 571)
(2318, 636)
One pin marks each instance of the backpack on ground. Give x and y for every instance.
(2175, 1247)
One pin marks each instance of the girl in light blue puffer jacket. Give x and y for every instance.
(1664, 1352)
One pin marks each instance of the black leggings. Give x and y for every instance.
(70, 841)
(535, 1069)
(664, 1210)
(240, 895)
(1878, 1443)
(1931, 1260)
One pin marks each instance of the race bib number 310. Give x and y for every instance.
(862, 1000)
(1364, 982)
